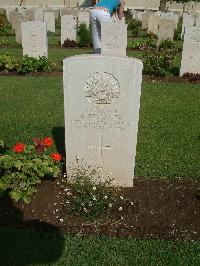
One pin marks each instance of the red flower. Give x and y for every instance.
(48, 142)
(18, 147)
(39, 145)
(56, 156)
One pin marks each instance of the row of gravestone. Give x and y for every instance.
(16, 20)
(114, 37)
(190, 6)
(164, 24)
(35, 41)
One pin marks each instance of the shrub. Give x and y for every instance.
(4, 41)
(84, 36)
(149, 43)
(134, 26)
(58, 22)
(168, 44)
(91, 197)
(32, 65)
(158, 61)
(3, 24)
(69, 43)
(175, 71)
(7, 62)
(143, 44)
(24, 166)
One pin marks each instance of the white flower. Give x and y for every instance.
(61, 220)
(94, 198)
(66, 189)
(120, 208)
(105, 197)
(121, 197)
(67, 202)
(94, 188)
(110, 205)
(69, 193)
(131, 203)
(85, 210)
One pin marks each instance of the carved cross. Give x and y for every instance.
(104, 147)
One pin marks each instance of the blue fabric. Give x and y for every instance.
(112, 5)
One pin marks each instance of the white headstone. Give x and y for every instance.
(84, 17)
(113, 38)
(191, 51)
(68, 28)
(166, 29)
(188, 21)
(145, 17)
(49, 18)
(34, 39)
(153, 23)
(102, 113)
(18, 28)
(39, 14)
(198, 21)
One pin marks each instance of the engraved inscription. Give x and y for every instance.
(101, 120)
(196, 36)
(101, 88)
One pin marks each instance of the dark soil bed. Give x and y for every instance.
(164, 209)
(60, 74)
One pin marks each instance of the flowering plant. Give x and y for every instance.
(89, 196)
(23, 166)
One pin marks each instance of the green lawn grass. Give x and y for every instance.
(56, 55)
(169, 126)
(28, 247)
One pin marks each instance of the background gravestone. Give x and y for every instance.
(191, 51)
(153, 23)
(39, 15)
(49, 18)
(84, 17)
(166, 30)
(68, 28)
(113, 38)
(102, 113)
(188, 21)
(18, 28)
(34, 39)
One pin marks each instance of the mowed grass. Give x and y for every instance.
(28, 247)
(57, 54)
(169, 126)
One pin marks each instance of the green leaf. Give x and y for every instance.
(15, 195)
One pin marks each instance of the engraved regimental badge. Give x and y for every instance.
(101, 88)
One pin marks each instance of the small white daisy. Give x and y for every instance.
(94, 188)
(120, 208)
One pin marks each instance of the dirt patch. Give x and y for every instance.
(161, 209)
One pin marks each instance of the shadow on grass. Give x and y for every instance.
(26, 242)
(59, 139)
